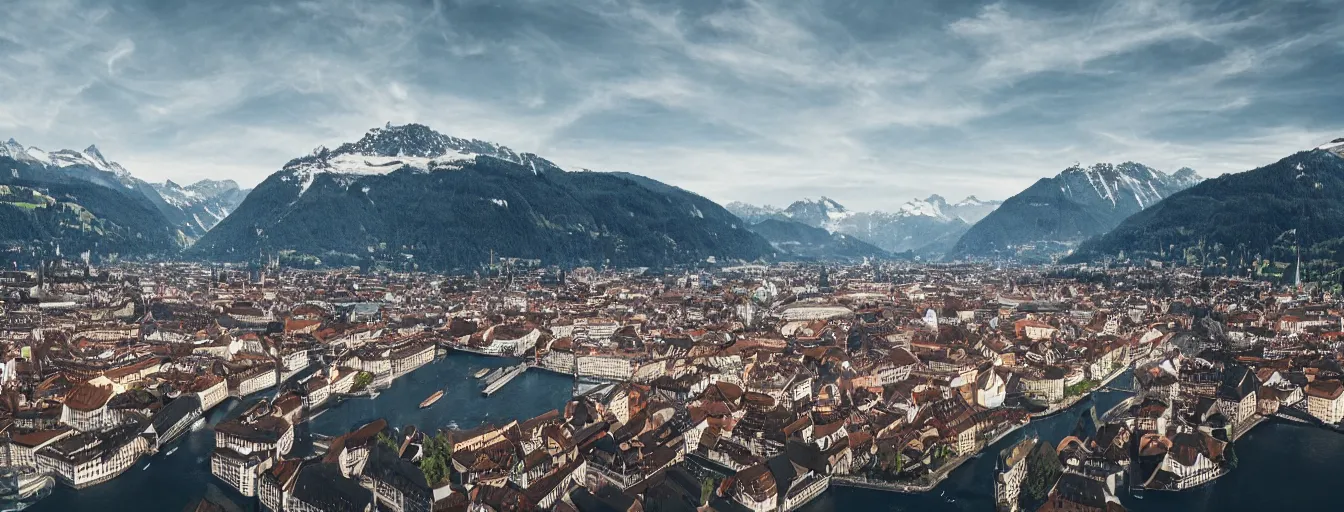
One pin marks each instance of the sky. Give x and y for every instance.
(867, 102)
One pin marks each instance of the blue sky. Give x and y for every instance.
(867, 102)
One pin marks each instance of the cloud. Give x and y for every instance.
(764, 101)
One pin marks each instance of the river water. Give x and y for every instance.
(1282, 466)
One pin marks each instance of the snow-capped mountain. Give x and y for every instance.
(1286, 211)
(926, 227)
(91, 157)
(969, 210)
(972, 209)
(205, 202)
(32, 164)
(415, 198)
(1056, 213)
(412, 147)
(103, 209)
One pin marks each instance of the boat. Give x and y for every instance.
(481, 373)
(170, 451)
(432, 398)
(146, 467)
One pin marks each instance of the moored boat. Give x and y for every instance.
(481, 373)
(432, 398)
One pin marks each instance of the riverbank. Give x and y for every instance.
(937, 477)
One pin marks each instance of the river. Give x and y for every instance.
(1282, 466)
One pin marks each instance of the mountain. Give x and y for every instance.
(795, 240)
(927, 227)
(1235, 219)
(78, 201)
(971, 209)
(413, 196)
(816, 213)
(191, 211)
(1054, 214)
(752, 214)
(203, 203)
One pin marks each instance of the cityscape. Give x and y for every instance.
(671, 256)
(748, 387)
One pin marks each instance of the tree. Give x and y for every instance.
(437, 459)
(388, 441)
(362, 380)
(1043, 470)
(706, 489)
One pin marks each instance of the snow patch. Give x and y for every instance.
(367, 165)
(921, 208)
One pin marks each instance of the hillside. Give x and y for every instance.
(416, 198)
(1054, 214)
(795, 240)
(1236, 219)
(78, 202)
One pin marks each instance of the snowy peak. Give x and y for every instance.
(820, 213)
(1335, 146)
(211, 188)
(11, 148)
(969, 210)
(1123, 185)
(931, 207)
(91, 157)
(413, 146)
(1186, 177)
(203, 203)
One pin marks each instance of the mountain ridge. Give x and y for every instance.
(1271, 212)
(414, 196)
(1054, 214)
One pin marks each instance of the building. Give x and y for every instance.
(1012, 470)
(1325, 400)
(85, 406)
(92, 458)
(247, 446)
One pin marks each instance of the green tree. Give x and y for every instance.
(437, 460)
(362, 380)
(1043, 470)
(387, 440)
(706, 489)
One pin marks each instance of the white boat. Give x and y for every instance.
(170, 451)
(146, 466)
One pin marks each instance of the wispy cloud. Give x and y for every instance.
(755, 100)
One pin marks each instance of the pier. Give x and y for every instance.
(503, 378)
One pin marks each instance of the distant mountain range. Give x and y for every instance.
(81, 201)
(795, 240)
(1053, 215)
(923, 227)
(203, 203)
(1236, 219)
(421, 199)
